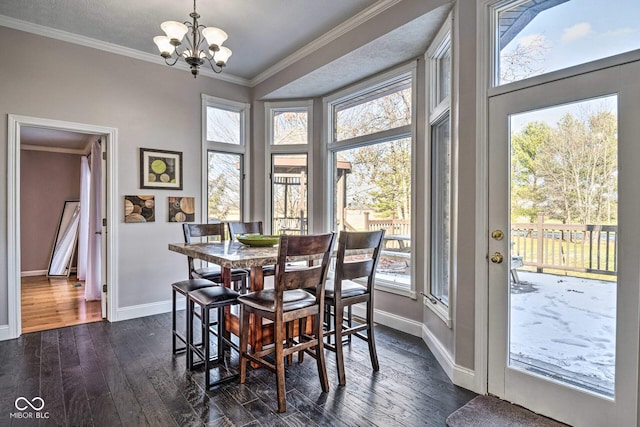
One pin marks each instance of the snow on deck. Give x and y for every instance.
(565, 325)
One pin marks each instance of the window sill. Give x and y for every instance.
(394, 289)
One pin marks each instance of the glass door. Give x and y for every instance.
(563, 279)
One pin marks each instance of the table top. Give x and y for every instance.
(228, 254)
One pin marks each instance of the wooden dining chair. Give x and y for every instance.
(217, 232)
(253, 227)
(298, 293)
(342, 291)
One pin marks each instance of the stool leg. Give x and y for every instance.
(220, 332)
(207, 346)
(173, 321)
(189, 334)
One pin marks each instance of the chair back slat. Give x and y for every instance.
(356, 269)
(349, 270)
(201, 230)
(312, 246)
(302, 279)
(236, 228)
(204, 230)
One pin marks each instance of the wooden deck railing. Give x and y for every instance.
(392, 226)
(572, 247)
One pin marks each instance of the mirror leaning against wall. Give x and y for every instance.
(65, 240)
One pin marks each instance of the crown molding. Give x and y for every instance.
(325, 39)
(65, 36)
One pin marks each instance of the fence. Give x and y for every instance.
(391, 225)
(573, 247)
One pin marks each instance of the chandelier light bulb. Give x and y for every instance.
(215, 37)
(164, 45)
(175, 30)
(222, 56)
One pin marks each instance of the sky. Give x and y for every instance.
(579, 31)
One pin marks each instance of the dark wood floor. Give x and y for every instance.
(111, 374)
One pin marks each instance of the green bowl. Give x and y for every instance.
(258, 239)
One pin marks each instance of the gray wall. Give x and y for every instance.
(151, 106)
(47, 180)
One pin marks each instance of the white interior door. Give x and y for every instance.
(564, 174)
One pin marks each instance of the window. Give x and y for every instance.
(289, 131)
(441, 189)
(535, 37)
(225, 156)
(371, 163)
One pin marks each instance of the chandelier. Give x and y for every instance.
(197, 50)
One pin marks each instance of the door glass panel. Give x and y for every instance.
(563, 210)
(540, 36)
(224, 189)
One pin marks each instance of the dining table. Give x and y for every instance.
(232, 255)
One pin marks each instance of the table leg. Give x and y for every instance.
(256, 283)
(226, 281)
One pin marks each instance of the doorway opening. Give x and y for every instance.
(55, 177)
(50, 298)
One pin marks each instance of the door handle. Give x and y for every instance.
(497, 258)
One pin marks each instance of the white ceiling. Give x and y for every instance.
(261, 32)
(41, 139)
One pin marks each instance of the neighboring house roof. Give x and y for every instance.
(513, 20)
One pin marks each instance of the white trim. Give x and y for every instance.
(465, 378)
(287, 149)
(391, 320)
(65, 36)
(150, 309)
(28, 147)
(14, 124)
(33, 273)
(439, 351)
(4, 333)
(244, 109)
(333, 34)
(481, 320)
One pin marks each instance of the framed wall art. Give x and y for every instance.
(182, 209)
(160, 169)
(139, 209)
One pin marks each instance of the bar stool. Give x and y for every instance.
(209, 298)
(183, 288)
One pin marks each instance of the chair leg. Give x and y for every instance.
(371, 338)
(337, 323)
(320, 361)
(302, 329)
(244, 342)
(280, 386)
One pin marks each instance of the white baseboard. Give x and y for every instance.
(442, 355)
(40, 272)
(4, 333)
(391, 320)
(465, 378)
(142, 310)
(33, 273)
(459, 375)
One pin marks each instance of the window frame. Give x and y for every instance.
(437, 112)
(332, 146)
(225, 148)
(272, 150)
